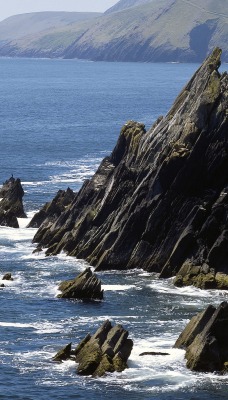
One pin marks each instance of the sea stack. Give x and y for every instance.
(11, 205)
(160, 200)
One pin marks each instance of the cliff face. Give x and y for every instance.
(160, 201)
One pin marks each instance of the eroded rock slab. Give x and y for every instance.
(205, 340)
(84, 287)
(11, 205)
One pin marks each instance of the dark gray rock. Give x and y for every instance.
(205, 340)
(7, 277)
(153, 353)
(160, 201)
(11, 206)
(53, 209)
(85, 286)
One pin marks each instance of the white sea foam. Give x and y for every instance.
(15, 325)
(13, 234)
(166, 287)
(117, 287)
(42, 327)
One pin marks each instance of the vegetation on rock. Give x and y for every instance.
(106, 351)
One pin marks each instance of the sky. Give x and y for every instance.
(13, 7)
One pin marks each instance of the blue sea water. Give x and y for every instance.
(58, 119)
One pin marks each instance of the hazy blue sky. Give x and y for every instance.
(13, 7)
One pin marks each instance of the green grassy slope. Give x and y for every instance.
(164, 30)
(168, 30)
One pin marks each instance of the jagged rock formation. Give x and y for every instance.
(11, 206)
(53, 209)
(160, 201)
(106, 351)
(85, 286)
(205, 340)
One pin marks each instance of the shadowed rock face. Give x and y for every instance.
(53, 209)
(160, 201)
(205, 340)
(106, 351)
(11, 206)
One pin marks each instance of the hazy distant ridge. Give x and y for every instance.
(132, 30)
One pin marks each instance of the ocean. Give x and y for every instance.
(58, 119)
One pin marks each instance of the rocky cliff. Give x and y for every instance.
(160, 201)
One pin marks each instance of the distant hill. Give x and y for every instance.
(19, 33)
(124, 4)
(132, 30)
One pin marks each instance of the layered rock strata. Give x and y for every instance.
(160, 200)
(86, 286)
(205, 340)
(11, 205)
(53, 209)
(106, 351)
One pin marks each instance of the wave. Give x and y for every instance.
(118, 287)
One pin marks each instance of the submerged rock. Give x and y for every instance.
(205, 340)
(11, 206)
(153, 353)
(85, 286)
(160, 201)
(106, 351)
(7, 277)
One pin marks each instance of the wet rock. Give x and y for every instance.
(7, 277)
(205, 340)
(153, 353)
(63, 354)
(106, 351)
(160, 200)
(11, 205)
(85, 286)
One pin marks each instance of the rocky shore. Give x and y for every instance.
(160, 201)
